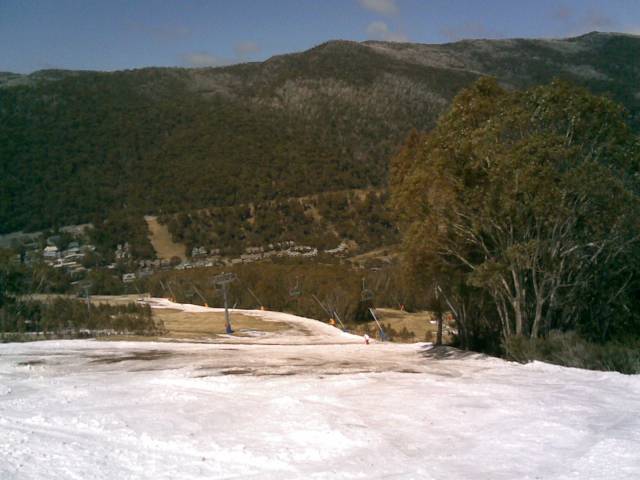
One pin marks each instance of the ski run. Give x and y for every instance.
(309, 402)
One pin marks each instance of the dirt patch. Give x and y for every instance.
(276, 374)
(133, 356)
(349, 372)
(31, 363)
(236, 371)
(162, 241)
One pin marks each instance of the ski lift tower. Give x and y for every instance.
(86, 288)
(383, 336)
(366, 294)
(222, 281)
(295, 291)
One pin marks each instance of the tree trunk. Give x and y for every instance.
(461, 323)
(535, 328)
(503, 314)
(439, 335)
(517, 303)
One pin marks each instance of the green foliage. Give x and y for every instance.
(106, 282)
(146, 142)
(18, 279)
(12, 275)
(78, 145)
(117, 229)
(70, 318)
(322, 221)
(571, 350)
(526, 204)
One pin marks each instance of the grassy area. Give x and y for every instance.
(185, 325)
(570, 350)
(95, 299)
(400, 321)
(179, 325)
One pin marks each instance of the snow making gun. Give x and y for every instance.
(383, 336)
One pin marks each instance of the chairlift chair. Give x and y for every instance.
(295, 290)
(366, 294)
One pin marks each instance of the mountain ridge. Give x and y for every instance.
(77, 145)
(582, 37)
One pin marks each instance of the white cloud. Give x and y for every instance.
(243, 49)
(380, 31)
(203, 59)
(384, 7)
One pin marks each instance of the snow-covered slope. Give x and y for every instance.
(104, 410)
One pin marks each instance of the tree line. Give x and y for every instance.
(61, 317)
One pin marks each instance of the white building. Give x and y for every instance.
(50, 252)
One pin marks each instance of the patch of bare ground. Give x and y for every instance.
(186, 325)
(162, 240)
(182, 326)
(133, 356)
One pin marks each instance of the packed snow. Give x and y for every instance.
(330, 408)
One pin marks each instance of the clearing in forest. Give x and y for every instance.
(162, 241)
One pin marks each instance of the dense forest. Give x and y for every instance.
(76, 146)
(322, 221)
(118, 228)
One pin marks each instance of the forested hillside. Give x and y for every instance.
(77, 146)
(360, 218)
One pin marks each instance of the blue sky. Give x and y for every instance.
(121, 34)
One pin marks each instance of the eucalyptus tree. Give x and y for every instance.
(529, 199)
